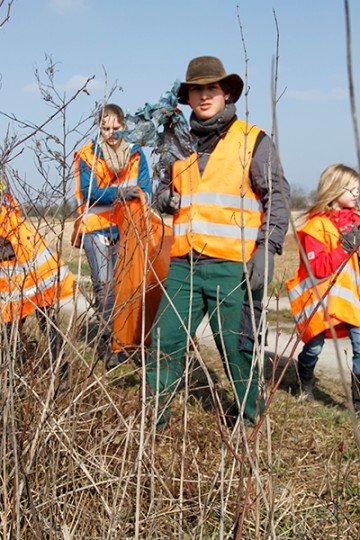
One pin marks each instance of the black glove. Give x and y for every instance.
(7, 252)
(167, 202)
(256, 268)
(350, 240)
(129, 194)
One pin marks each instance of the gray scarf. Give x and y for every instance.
(208, 132)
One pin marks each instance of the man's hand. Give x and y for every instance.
(350, 240)
(167, 202)
(256, 268)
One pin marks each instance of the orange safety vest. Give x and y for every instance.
(342, 301)
(219, 211)
(36, 277)
(101, 216)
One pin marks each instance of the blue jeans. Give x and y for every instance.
(102, 255)
(312, 349)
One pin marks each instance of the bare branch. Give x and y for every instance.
(351, 83)
(39, 128)
(7, 16)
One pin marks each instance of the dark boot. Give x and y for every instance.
(355, 390)
(115, 360)
(307, 381)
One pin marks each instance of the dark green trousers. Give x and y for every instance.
(213, 287)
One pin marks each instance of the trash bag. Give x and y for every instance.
(144, 259)
(163, 127)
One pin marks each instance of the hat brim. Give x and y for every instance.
(234, 81)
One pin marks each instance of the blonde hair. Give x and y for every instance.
(334, 180)
(109, 109)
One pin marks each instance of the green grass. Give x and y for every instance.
(74, 267)
(277, 287)
(281, 315)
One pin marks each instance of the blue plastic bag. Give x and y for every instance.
(164, 128)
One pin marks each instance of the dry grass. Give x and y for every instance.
(82, 459)
(81, 463)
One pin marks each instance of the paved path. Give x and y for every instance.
(328, 363)
(282, 343)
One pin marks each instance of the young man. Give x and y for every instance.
(226, 199)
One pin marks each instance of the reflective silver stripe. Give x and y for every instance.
(233, 201)
(354, 276)
(186, 200)
(307, 283)
(100, 209)
(308, 310)
(25, 268)
(336, 291)
(345, 294)
(180, 229)
(40, 286)
(217, 229)
(226, 231)
(223, 199)
(303, 286)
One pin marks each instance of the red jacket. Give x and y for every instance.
(339, 291)
(322, 262)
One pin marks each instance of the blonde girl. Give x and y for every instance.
(330, 272)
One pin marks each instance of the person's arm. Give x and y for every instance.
(90, 188)
(322, 262)
(274, 195)
(143, 175)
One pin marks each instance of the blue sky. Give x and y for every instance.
(146, 45)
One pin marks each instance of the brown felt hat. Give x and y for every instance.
(207, 70)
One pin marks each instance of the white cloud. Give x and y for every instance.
(31, 88)
(71, 86)
(77, 81)
(334, 94)
(68, 6)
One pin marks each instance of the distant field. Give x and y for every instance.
(285, 265)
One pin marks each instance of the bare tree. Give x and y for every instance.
(7, 10)
(351, 81)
